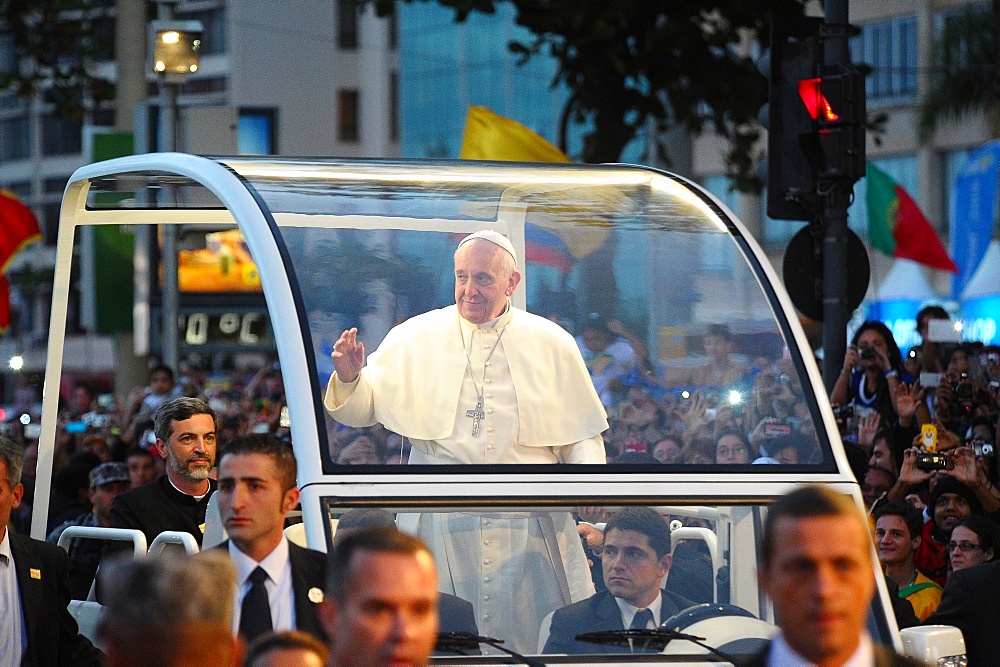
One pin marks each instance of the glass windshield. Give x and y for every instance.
(652, 282)
(544, 578)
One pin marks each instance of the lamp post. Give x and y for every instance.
(174, 54)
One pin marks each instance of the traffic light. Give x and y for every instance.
(796, 54)
(835, 102)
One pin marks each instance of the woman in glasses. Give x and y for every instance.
(973, 542)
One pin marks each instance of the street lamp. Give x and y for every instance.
(176, 49)
(175, 52)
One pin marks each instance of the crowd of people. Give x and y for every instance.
(921, 431)
(95, 428)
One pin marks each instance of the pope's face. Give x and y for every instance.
(482, 283)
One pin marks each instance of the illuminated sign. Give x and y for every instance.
(219, 329)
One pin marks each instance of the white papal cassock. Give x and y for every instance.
(540, 407)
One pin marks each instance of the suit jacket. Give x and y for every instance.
(884, 657)
(596, 613)
(308, 572)
(43, 583)
(456, 615)
(157, 507)
(969, 603)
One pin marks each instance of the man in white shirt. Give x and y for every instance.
(818, 572)
(482, 382)
(279, 583)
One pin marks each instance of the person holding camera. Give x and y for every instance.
(870, 375)
(958, 488)
(963, 394)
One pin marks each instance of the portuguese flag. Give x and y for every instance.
(18, 228)
(897, 226)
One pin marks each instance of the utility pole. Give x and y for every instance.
(836, 197)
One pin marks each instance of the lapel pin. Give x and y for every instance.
(315, 595)
(34, 573)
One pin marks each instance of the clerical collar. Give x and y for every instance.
(501, 319)
(189, 495)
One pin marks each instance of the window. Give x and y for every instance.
(15, 138)
(890, 48)
(61, 136)
(347, 115)
(347, 24)
(255, 134)
(213, 40)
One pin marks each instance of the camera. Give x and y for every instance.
(929, 461)
(982, 448)
(777, 429)
(844, 412)
(866, 353)
(963, 396)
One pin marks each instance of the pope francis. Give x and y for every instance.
(482, 382)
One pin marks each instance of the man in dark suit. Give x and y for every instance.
(185, 438)
(969, 603)
(36, 627)
(635, 558)
(818, 571)
(279, 583)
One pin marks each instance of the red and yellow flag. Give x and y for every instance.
(18, 228)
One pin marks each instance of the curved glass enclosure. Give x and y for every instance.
(665, 306)
(687, 344)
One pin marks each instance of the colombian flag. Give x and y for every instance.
(548, 239)
(897, 226)
(18, 228)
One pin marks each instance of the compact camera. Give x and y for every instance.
(982, 448)
(866, 353)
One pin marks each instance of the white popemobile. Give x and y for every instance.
(282, 255)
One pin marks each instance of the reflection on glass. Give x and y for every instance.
(666, 559)
(675, 328)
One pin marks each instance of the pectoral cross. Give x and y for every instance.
(476, 415)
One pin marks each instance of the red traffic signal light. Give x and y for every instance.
(819, 108)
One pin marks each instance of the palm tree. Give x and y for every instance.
(967, 77)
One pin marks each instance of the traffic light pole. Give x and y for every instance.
(835, 198)
(835, 315)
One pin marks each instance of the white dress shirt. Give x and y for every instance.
(280, 593)
(13, 634)
(783, 655)
(629, 612)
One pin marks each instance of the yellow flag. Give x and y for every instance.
(489, 136)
